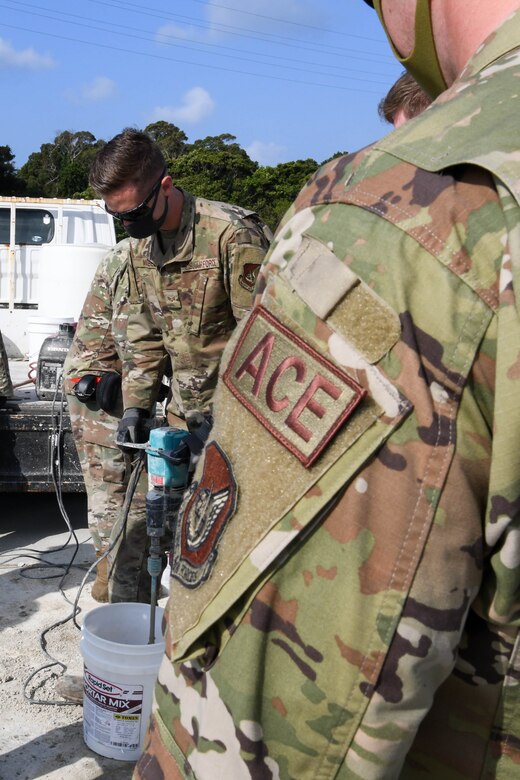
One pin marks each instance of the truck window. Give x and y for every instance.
(33, 226)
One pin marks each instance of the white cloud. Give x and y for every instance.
(26, 59)
(100, 88)
(197, 105)
(259, 15)
(185, 35)
(267, 153)
(173, 31)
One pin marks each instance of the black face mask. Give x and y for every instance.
(147, 225)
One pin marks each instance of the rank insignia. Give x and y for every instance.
(206, 509)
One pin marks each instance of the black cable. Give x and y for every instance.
(56, 473)
(131, 487)
(137, 468)
(55, 470)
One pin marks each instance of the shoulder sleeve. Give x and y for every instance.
(327, 177)
(94, 348)
(500, 595)
(245, 246)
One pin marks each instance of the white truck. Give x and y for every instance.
(49, 250)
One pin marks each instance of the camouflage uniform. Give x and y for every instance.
(6, 387)
(98, 347)
(196, 290)
(345, 593)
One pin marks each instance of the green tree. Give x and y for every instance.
(213, 168)
(10, 183)
(60, 169)
(170, 138)
(270, 190)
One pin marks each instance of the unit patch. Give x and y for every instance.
(247, 278)
(297, 394)
(206, 509)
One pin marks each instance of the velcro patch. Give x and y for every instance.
(297, 394)
(247, 278)
(206, 509)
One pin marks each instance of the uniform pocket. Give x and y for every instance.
(161, 756)
(197, 305)
(106, 464)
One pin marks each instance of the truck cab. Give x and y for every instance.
(49, 251)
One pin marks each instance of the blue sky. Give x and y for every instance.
(289, 78)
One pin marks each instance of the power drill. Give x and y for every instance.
(168, 459)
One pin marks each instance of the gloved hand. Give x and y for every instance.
(199, 426)
(164, 391)
(3, 401)
(132, 429)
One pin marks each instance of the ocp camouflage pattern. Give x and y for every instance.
(193, 295)
(98, 347)
(360, 619)
(6, 387)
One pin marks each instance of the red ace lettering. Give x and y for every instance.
(298, 395)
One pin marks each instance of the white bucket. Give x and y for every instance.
(120, 669)
(38, 328)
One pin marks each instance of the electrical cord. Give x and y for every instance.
(131, 487)
(56, 473)
(137, 468)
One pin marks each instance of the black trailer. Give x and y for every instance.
(37, 450)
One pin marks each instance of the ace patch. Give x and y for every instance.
(206, 510)
(295, 392)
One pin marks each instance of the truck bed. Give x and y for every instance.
(36, 444)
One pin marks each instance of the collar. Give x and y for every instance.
(501, 41)
(178, 249)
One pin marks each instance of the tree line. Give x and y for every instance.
(215, 167)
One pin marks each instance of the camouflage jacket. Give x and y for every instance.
(6, 387)
(192, 298)
(345, 597)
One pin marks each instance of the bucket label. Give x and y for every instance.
(112, 712)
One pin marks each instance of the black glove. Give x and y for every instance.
(199, 427)
(164, 391)
(108, 391)
(132, 429)
(3, 401)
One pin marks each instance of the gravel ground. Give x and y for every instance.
(43, 740)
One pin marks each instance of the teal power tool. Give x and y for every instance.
(168, 471)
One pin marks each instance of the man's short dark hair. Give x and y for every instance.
(131, 156)
(407, 96)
